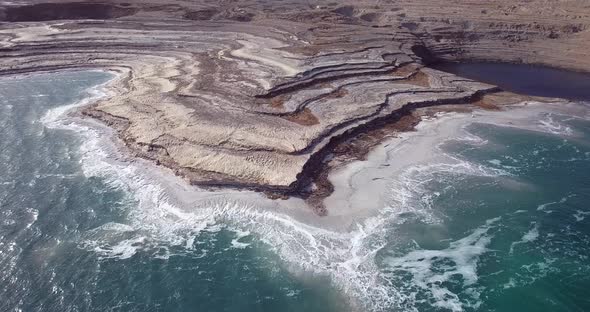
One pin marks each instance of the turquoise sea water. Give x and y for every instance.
(505, 226)
(513, 234)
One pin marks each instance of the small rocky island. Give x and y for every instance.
(271, 95)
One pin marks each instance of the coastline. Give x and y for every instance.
(357, 185)
(313, 173)
(106, 155)
(176, 191)
(232, 103)
(338, 204)
(287, 155)
(162, 220)
(170, 211)
(443, 121)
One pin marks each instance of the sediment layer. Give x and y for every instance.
(262, 94)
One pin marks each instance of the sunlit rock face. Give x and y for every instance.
(258, 94)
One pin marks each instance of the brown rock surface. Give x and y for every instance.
(258, 94)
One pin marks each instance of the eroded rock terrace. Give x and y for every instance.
(258, 94)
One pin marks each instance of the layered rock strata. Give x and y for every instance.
(261, 95)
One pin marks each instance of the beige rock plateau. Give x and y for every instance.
(265, 94)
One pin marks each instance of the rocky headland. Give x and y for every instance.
(271, 95)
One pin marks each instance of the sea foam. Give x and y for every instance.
(431, 270)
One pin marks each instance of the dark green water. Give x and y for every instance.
(505, 226)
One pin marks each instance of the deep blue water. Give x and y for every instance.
(504, 227)
(525, 79)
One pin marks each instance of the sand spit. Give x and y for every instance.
(272, 97)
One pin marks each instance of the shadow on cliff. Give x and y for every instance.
(64, 11)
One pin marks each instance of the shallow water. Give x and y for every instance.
(501, 224)
(525, 79)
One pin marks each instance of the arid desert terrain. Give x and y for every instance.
(272, 95)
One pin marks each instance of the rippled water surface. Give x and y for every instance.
(504, 225)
